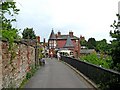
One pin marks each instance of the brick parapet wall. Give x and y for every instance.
(13, 74)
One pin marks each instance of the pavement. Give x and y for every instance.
(56, 74)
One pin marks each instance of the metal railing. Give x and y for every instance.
(104, 78)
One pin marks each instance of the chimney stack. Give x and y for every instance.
(38, 39)
(59, 33)
(71, 34)
(82, 37)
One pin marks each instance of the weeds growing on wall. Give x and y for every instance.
(29, 75)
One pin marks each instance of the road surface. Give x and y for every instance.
(55, 74)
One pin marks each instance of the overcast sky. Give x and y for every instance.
(89, 18)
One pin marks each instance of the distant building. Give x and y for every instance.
(64, 42)
(87, 51)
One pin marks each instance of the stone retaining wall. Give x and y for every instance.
(0, 65)
(14, 72)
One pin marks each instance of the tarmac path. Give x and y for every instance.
(55, 74)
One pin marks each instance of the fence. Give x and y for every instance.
(104, 78)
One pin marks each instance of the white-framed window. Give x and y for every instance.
(52, 43)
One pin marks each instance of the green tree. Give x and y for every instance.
(115, 50)
(102, 46)
(28, 33)
(91, 44)
(83, 42)
(8, 9)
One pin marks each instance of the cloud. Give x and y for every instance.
(90, 18)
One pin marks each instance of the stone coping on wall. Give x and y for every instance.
(29, 42)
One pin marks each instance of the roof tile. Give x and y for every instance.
(68, 43)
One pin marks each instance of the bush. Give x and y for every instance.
(103, 61)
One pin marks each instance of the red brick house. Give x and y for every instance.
(59, 41)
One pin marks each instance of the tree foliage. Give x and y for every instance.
(91, 44)
(83, 42)
(100, 61)
(102, 46)
(28, 33)
(115, 50)
(8, 9)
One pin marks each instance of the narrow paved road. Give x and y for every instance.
(55, 74)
